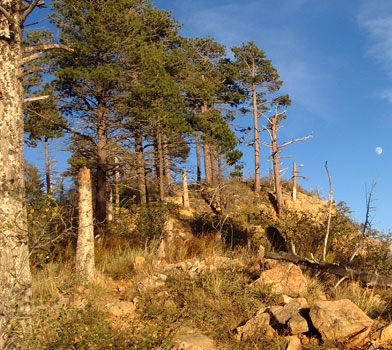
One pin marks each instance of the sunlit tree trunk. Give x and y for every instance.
(256, 138)
(102, 169)
(185, 193)
(15, 276)
(198, 159)
(47, 168)
(207, 163)
(160, 164)
(166, 161)
(141, 172)
(85, 264)
(214, 165)
(276, 168)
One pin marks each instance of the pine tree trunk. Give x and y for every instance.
(220, 167)
(198, 159)
(256, 139)
(15, 276)
(276, 167)
(214, 166)
(47, 168)
(207, 162)
(166, 161)
(102, 168)
(295, 175)
(160, 163)
(109, 205)
(85, 265)
(185, 194)
(116, 185)
(141, 172)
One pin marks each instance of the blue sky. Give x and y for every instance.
(335, 58)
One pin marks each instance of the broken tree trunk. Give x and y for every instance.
(369, 279)
(185, 197)
(85, 265)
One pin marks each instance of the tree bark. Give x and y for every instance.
(141, 172)
(220, 167)
(198, 159)
(214, 165)
(295, 175)
(47, 168)
(116, 185)
(15, 276)
(206, 151)
(85, 265)
(102, 169)
(207, 163)
(160, 163)
(185, 195)
(166, 161)
(276, 168)
(256, 138)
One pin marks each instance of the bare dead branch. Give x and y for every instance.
(7, 15)
(36, 98)
(369, 279)
(64, 127)
(329, 210)
(295, 140)
(42, 49)
(367, 223)
(31, 7)
(30, 71)
(46, 47)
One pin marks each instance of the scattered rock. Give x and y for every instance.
(340, 321)
(297, 325)
(140, 261)
(256, 327)
(289, 316)
(285, 278)
(190, 339)
(386, 334)
(294, 343)
(284, 299)
(153, 282)
(121, 308)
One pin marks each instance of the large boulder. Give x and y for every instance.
(284, 278)
(340, 321)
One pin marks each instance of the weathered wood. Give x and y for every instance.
(185, 196)
(85, 265)
(15, 276)
(338, 270)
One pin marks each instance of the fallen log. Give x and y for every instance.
(370, 279)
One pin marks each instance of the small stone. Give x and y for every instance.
(140, 261)
(386, 334)
(284, 299)
(294, 343)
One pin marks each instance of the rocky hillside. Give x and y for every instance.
(197, 279)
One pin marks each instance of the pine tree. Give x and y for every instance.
(44, 122)
(257, 76)
(108, 37)
(15, 276)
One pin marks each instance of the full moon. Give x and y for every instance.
(378, 150)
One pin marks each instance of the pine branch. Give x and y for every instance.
(41, 49)
(31, 7)
(7, 15)
(36, 98)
